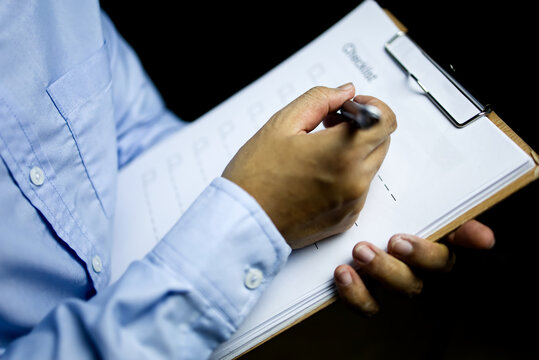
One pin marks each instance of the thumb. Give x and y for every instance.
(307, 111)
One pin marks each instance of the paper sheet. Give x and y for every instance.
(433, 171)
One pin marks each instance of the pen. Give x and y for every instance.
(362, 116)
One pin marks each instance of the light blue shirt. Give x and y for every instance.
(76, 106)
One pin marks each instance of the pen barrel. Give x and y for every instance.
(359, 114)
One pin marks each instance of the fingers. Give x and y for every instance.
(379, 265)
(378, 133)
(420, 253)
(405, 254)
(472, 234)
(386, 269)
(307, 111)
(435, 256)
(320, 103)
(353, 290)
(388, 120)
(361, 142)
(374, 159)
(387, 116)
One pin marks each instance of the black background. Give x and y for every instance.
(199, 54)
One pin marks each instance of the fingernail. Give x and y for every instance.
(343, 277)
(363, 254)
(401, 247)
(346, 86)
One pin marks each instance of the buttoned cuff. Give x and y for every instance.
(227, 247)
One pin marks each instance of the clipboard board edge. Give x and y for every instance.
(396, 21)
(513, 136)
(306, 315)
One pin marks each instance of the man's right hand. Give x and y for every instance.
(313, 184)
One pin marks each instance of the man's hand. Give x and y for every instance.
(405, 253)
(312, 184)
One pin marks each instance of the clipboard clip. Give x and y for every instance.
(451, 98)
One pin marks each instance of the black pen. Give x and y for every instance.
(360, 115)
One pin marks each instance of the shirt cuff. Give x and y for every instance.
(227, 247)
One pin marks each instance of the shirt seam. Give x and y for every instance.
(75, 136)
(21, 172)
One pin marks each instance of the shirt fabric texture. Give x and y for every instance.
(75, 107)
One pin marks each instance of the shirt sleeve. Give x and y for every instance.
(141, 116)
(189, 294)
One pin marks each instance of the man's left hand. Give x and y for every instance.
(397, 268)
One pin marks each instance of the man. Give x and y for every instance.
(76, 106)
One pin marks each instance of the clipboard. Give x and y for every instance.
(481, 110)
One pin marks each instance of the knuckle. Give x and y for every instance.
(361, 187)
(354, 187)
(438, 257)
(317, 97)
(317, 92)
(319, 89)
(450, 262)
(369, 308)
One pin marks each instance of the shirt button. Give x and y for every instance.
(253, 278)
(97, 265)
(37, 177)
